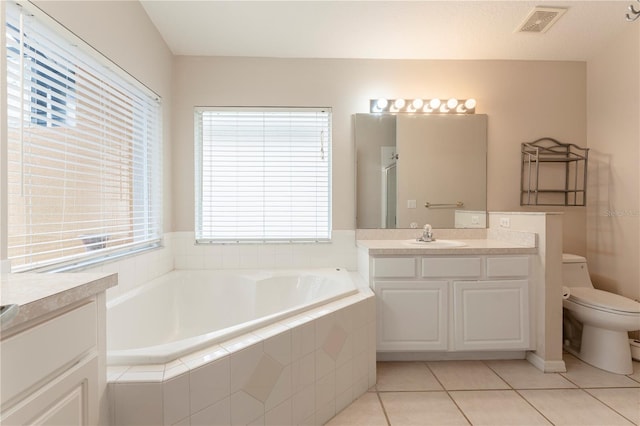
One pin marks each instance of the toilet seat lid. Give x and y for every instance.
(604, 300)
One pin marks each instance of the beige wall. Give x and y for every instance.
(523, 100)
(613, 224)
(122, 31)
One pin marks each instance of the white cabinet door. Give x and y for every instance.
(491, 315)
(70, 399)
(412, 316)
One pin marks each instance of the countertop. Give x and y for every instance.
(474, 246)
(40, 294)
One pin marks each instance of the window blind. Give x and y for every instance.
(84, 147)
(263, 174)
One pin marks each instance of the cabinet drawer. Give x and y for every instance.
(35, 354)
(444, 267)
(394, 267)
(512, 266)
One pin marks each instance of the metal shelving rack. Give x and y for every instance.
(553, 173)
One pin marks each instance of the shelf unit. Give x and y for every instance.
(553, 173)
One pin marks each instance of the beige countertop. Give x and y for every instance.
(40, 294)
(473, 246)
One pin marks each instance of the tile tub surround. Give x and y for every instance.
(179, 251)
(302, 370)
(339, 252)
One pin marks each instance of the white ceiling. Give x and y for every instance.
(385, 29)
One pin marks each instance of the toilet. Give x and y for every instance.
(596, 322)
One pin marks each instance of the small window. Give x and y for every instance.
(83, 150)
(263, 174)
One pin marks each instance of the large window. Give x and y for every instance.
(263, 174)
(84, 144)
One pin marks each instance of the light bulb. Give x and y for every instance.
(470, 103)
(417, 104)
(399, 103)
(434, 103)
(452, 103)
(381, 104)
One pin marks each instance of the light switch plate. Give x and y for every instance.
(505, 222)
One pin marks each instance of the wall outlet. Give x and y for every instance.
(505, 222)
(475, 220)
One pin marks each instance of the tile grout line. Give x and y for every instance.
(533, 406)
(607, 405)
(517, 391)
(384, 410)
(448, 394)
(585, 390)
(510, 387)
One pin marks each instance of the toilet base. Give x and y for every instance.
(606, 349)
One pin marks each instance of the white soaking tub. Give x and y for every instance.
(183, 311)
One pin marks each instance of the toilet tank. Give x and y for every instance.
(574, 271)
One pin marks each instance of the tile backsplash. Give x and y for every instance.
(179, 251)
(341, 251)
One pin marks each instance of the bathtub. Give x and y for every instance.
(240, 347)
(184, 311)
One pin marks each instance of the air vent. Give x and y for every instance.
(541, 19)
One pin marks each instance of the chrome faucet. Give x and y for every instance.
(427, 235)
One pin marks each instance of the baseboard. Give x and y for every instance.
(546, 366)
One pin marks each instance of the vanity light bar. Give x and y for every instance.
(423, 106)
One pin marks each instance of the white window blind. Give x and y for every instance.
(84, 147)
(263, 174)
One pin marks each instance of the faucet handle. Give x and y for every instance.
(427, 235)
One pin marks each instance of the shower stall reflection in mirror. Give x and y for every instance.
(389, 187)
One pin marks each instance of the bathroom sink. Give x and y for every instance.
(435, 244)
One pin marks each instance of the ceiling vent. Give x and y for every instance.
(540, 19)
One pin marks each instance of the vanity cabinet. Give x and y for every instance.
(50, 371)
(452, 303)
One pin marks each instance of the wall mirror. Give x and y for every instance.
(417, 169)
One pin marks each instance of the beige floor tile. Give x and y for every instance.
(466, 375)
(520, 374)
(504, 407)
(624, 401)
(365, 411)
(405, 376)
(421, 408)
(572, 407)
(587, 376)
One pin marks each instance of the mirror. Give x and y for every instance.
(418, 169)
